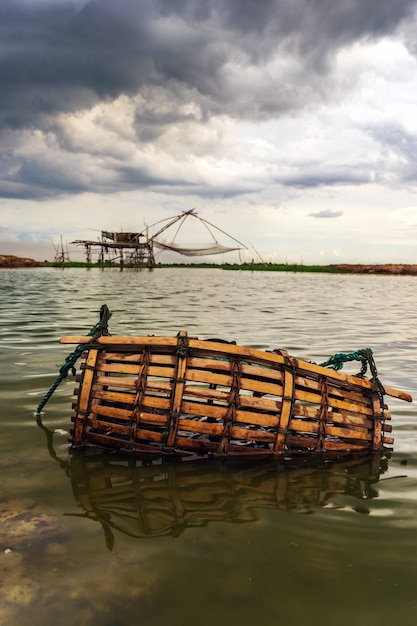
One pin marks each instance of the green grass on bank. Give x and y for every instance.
(280, 267)
(269, 267)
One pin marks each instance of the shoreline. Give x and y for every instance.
(8, 261)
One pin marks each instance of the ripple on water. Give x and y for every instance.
(218, 545)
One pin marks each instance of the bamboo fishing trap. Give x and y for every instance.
(184, 395)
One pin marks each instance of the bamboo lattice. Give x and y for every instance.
(185, 395)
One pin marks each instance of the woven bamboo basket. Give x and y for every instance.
(183, 395)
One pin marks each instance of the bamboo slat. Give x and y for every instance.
(84, 397)
(219, 349)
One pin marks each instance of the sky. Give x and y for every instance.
(290, 124)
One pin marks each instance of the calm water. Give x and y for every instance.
(113, 541)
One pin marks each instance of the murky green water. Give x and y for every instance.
(110, 540)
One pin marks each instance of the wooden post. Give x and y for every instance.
(286, 411)
(377, 421)
(178, 387)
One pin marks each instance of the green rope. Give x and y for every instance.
(366, 357)
(337, 360)
(97, 331)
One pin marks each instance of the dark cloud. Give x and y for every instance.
(64, 57)
(327, 213)
(308, 176)
(245, 59)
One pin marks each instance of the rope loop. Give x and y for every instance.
(364, 355)
(337, 361)
(99, 329)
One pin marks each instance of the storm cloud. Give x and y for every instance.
(245, 59)
(175, 64)
(209, 99)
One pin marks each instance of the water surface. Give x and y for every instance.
(108, 539)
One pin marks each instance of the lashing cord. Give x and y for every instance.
(99, 329)
(364, 355)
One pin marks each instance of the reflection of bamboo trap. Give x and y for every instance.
(184, 395)
(154, 498)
